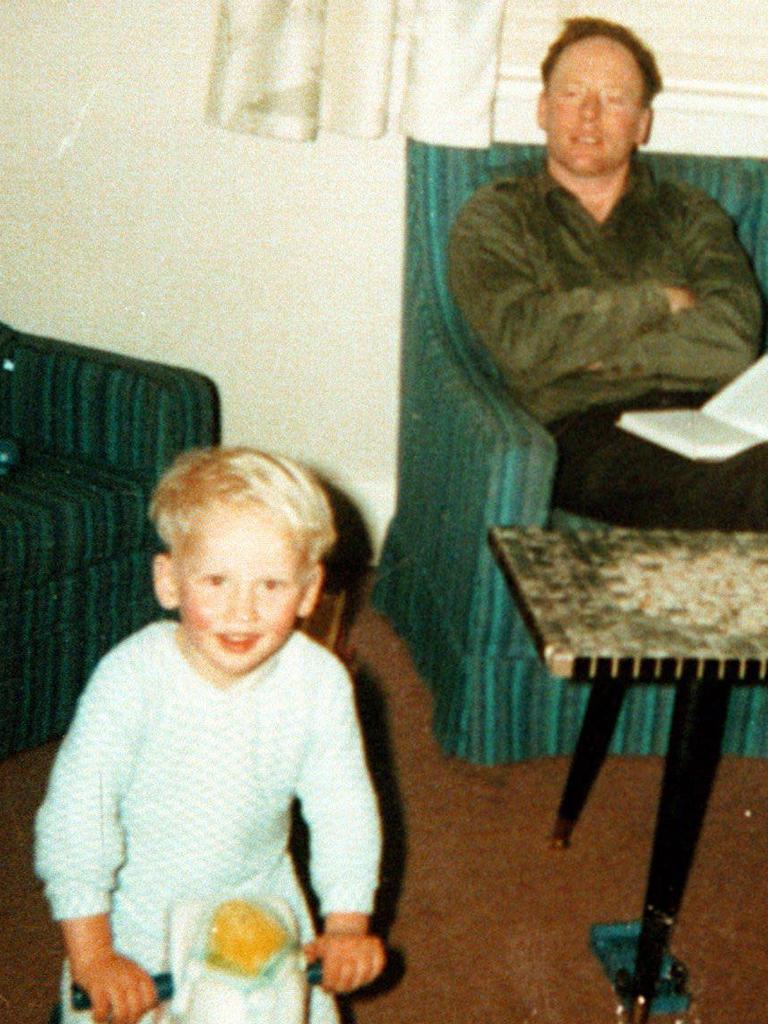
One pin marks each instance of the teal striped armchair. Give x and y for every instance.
(469, 458)
(94, 430)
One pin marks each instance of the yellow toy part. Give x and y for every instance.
(243, 937)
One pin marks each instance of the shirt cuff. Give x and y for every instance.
(346, 900)
(72, 903)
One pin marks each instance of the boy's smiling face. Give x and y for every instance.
(239, 581)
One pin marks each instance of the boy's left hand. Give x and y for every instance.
(350, 956)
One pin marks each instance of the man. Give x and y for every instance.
(597, 289)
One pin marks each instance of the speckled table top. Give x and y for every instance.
(642, 604)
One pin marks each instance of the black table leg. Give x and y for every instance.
(692, 758)
(603, 707)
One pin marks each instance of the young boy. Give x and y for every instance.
(193, 737)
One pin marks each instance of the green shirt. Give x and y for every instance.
(573, 311)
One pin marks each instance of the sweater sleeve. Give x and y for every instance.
(78, 838)
(338, 802)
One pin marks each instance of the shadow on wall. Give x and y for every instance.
(350, 561)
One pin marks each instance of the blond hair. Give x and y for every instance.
(203, 477)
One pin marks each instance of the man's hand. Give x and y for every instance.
(350, 956)
(679, 298)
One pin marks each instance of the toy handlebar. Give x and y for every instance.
(164, 986)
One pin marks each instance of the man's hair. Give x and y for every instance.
(577, 29)
(202, 478)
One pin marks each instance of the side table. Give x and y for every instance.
(618, 606)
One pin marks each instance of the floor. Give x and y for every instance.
(485, 924)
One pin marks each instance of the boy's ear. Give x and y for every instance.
(313, 588)
(164, 582)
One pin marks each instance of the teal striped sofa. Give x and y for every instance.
(94, 430)
(469, 458)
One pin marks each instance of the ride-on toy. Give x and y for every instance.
(237, 961)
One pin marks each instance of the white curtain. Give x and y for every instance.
(288, 68)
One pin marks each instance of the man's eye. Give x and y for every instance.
(273, 584)
(214, 580)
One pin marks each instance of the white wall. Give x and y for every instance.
(130, 223)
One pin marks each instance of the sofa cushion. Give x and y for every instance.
(60, 514)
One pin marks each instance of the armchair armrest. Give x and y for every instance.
(470, 458)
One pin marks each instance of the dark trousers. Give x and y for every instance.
(607, 473)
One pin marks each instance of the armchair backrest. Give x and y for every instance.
(62, 399)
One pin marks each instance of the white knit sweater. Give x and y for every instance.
(169, 788)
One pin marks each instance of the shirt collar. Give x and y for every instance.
(639, 185)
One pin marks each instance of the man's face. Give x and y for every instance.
(592, 112)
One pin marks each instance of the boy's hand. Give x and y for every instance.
(119, 990)
(350, 956)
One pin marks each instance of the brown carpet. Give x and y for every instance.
(486, 923)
